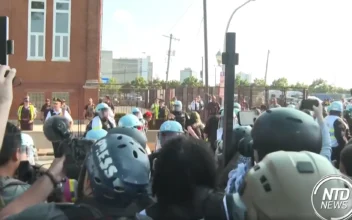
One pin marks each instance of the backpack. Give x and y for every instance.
(4, 183)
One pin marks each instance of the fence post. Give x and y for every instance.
(229, 59)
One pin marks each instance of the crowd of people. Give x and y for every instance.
(268, 171)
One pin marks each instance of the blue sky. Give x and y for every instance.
(307, 39)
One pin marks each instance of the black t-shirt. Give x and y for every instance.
(211, 128)
(111, 106)
(45, 109)
(89, 110)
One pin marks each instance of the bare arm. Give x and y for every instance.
(38, 192)
(6, 96)
(191, 131)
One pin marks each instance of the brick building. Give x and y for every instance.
(57, 50)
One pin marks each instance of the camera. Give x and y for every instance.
(56, 129)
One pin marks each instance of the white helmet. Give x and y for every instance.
(280, 186)
(28, 143)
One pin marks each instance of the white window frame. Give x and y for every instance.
(36, 34)
(61, 35)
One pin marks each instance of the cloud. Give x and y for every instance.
(123, 17)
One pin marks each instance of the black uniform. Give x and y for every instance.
(181, 117)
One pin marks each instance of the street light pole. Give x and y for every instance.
(230, 19)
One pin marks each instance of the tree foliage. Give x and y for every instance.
(240, 82)
(259, 82)
(280, 82)
(317, 86)
(192, 82)
(110, 85)
(139, 83)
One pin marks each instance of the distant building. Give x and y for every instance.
(125, 70)
(246, 76)
(187, 72)
(106, 64)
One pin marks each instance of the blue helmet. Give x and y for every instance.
(336, 106)
(130, 121)
(131, 132)
(101, 106)
(96, 134)
(169, 129)
(178, 105)
(349, 107)
(118, 170)
(136, 110)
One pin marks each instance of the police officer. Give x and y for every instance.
(338, 129)
(131, 121)
(168, 130)
(180, 116)
(102, 120)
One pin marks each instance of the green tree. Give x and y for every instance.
(174, 83)
(192, 82)
(240, 82)
(126, 88)
(280, 82)
(156, 84)
(139, 83)
(320, 86)
(299, 85)
(110, 85)
(259, 82)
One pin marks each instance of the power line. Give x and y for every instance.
(178, 21)
(200, 26)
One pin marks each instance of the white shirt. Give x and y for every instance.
(66, 115)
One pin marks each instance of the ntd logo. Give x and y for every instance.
(335, 198)
(331, 198)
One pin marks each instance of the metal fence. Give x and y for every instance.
(126, 98)
(145, 97)
(256, 96)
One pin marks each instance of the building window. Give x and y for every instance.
(62, 95)
(37, 99)
(36, 29)
(61, 30)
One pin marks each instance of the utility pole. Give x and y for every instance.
(169, 55)
(206, 45)
(202, 71)
(266, 67)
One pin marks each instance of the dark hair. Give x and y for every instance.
(307, 112)
(183, 164)
(346, 155)
(263, 108)
(12, 142)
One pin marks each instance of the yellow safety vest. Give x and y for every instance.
(31, 112)
(155, 109)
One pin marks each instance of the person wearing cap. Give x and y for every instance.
(59, 110)
(338, 129)
(26, 114)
